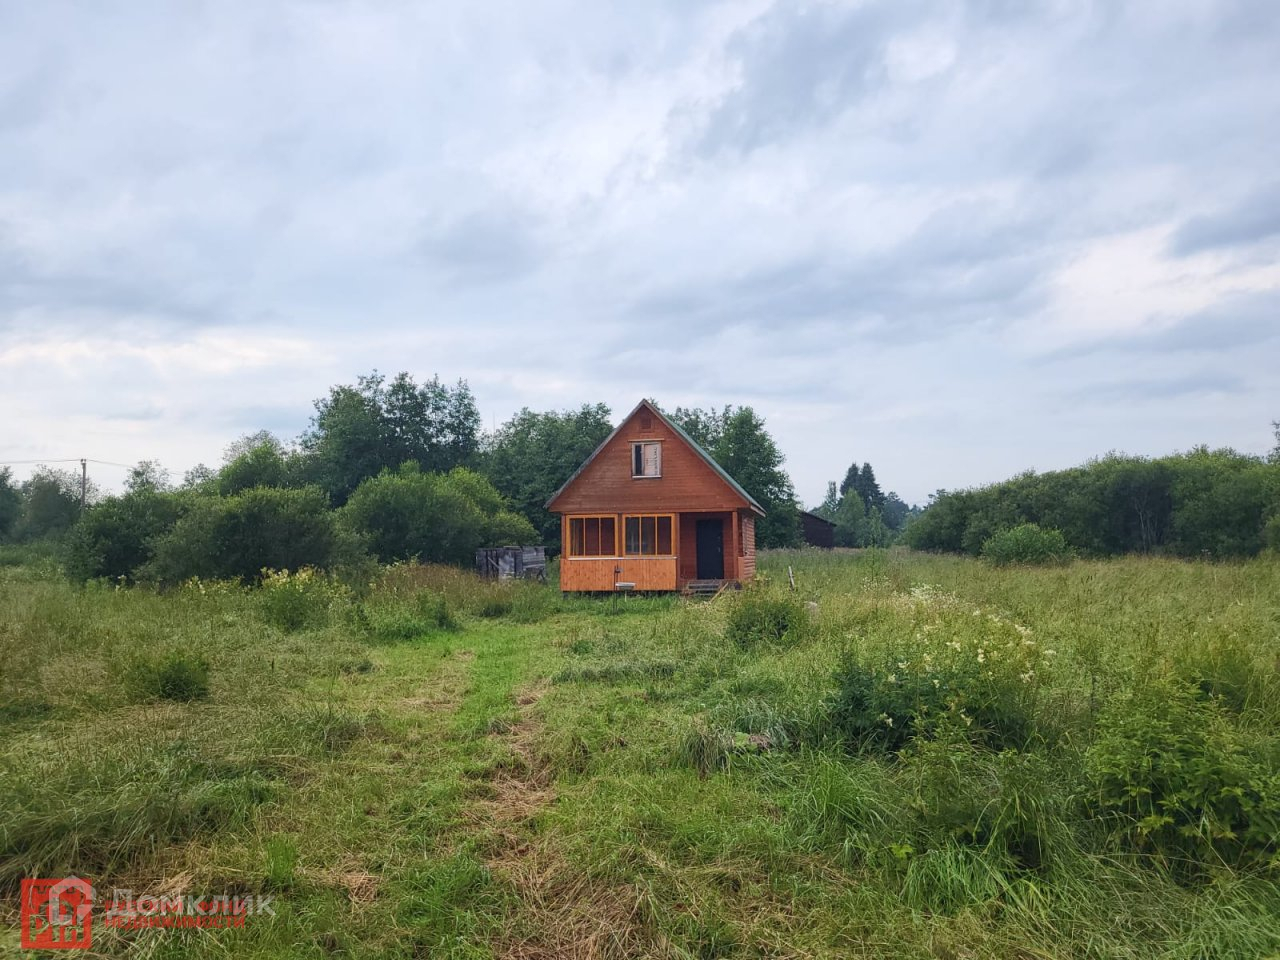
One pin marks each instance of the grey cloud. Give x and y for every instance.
(801, 64)
(484, 245)
(1157, 390)
(1255, 219)
(1242, 322)
(823, 208)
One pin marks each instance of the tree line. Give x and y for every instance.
(863, 514)
(1203, 503)
(388, 469)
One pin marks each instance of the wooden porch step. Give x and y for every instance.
(708, 588)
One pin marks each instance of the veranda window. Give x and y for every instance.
(648, 535)
(592, 537)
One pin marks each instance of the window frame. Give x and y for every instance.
(639, 445)
(569, 551)
(670, 517)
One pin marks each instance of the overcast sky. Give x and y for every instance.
(958, 240)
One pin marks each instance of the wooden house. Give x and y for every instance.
(650, 510)
(817, 531)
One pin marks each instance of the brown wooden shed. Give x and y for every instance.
(817, 531)
(650, 511)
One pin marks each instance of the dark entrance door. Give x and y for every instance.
(710, 549)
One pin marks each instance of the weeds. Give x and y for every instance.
(178, 676)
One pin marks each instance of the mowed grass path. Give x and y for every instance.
(540, 788)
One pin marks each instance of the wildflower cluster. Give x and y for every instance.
(303, 598)
(974, 667)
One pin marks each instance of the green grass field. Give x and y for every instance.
(911, 756)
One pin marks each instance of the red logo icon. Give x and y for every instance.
(57, 914)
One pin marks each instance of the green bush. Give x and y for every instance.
(236, 538)
(1179, 780)
(759, 616)
(1271, 534)
(293, 601)
(977, 669)
(115, 538)
(1026, 543)
(177, 676)
(434, 518)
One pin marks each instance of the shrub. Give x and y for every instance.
(435, 518)
(1026, 543)
(1179, 781)
(977, 669)
(759, 616)
(302, 599)
(177, 676)
(115, 537)
(236, 538)
(1271, 534)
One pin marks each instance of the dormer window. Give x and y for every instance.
(646, 459)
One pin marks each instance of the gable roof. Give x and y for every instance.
(813, 516)
(678, 431)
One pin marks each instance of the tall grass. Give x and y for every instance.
(430, 763)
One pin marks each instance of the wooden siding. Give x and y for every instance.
(748, 569)
(687, 483)
(599, 574)
(816, 531)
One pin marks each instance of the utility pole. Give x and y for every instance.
(84, 481)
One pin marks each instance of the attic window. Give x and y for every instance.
(646, 459)
(646, 422)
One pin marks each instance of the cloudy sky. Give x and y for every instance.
(958, 240)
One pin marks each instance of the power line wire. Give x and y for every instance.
(105, 463)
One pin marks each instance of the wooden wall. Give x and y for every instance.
(599, 574)
(687, 482)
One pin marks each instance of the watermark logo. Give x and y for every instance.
(57, 914)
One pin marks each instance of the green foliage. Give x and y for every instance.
(295, 601)
(1182, 780)
(237, 537)
(10, 503)
(1026, 544)
(434, 518)
(849, 516)
(115, 538)
(50, 504)
(394, 621)
(264, 465)
(965, 669)
(759, 616)
(737, 440)
(864, 515)
(531, 456)
(1202, 503)
(1271, 534)
(281, 856)
(361, 430)
(177, 676)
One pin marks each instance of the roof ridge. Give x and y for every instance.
(720, 471)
